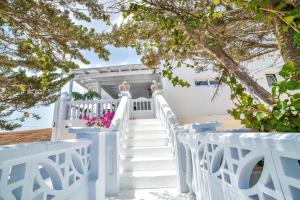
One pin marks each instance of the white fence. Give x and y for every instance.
(168, 118)
(141, 108)
(235, 166)
(79, 109)
(110, 140)
(46, 170)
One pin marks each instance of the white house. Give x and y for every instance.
(146, 153)
(192, 104)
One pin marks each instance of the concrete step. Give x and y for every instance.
(147, 132)
(145, 128)
(157, 163)
(144, 122)
(146, 135)
(150, 194)
(140, 142)
(163, 151)
(148, 179)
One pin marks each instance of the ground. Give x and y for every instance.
(15, 137)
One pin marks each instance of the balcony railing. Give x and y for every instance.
(234, 166)
(79, 109)
(45, 170)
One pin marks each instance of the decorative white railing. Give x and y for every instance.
(113, 138)
(121, 117)
(78, 109)
(183, 158)
(229, 166)
(141, 108)
(45, 170)
(170, 122)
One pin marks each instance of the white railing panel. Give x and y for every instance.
(244, 165)
(141, 108)
(78, 109)
(48, 170)
(185, 164)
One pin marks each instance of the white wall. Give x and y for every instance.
(195, 101)
(191, 104)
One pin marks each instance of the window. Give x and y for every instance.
(201, 83)
(271, 78)
(213, 83)
(206, 83)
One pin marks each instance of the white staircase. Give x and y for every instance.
(147, 163)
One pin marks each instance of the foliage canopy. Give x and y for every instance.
(39, 40)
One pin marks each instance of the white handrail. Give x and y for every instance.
(183, 155)
(114, 139)
(121, 117)
(164, 112)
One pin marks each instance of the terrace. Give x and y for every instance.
(195, 160)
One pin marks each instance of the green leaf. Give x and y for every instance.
(287, 69)
(22, 88)
(262, 115)
(296, 96)
(289, 19)
(296, 39)
(217, 2)
(217, 15)
(293, 85)
(262, 107)
(280, 6)
(259, 16)
(278, 113)
(297, 105)
(282, 87)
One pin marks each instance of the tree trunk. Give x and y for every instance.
(234, 68)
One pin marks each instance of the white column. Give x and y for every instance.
(71, 87)
(60, 114)
(98, 160)
(99, 88)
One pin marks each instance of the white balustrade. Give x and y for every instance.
(45, 170)
(141, 108)
(181, 151)
(170, 122)
(78, 109)
(238, 166)
(111, 141)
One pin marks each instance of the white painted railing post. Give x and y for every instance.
(60, 114)
(189, 172)
(155, 103)
(180, 154)
(98, 160)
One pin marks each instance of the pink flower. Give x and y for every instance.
(101, 120)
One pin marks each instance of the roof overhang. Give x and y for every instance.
(137, 75)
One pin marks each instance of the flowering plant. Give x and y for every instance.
(100, 120)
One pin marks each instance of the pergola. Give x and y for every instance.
(108, 78)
